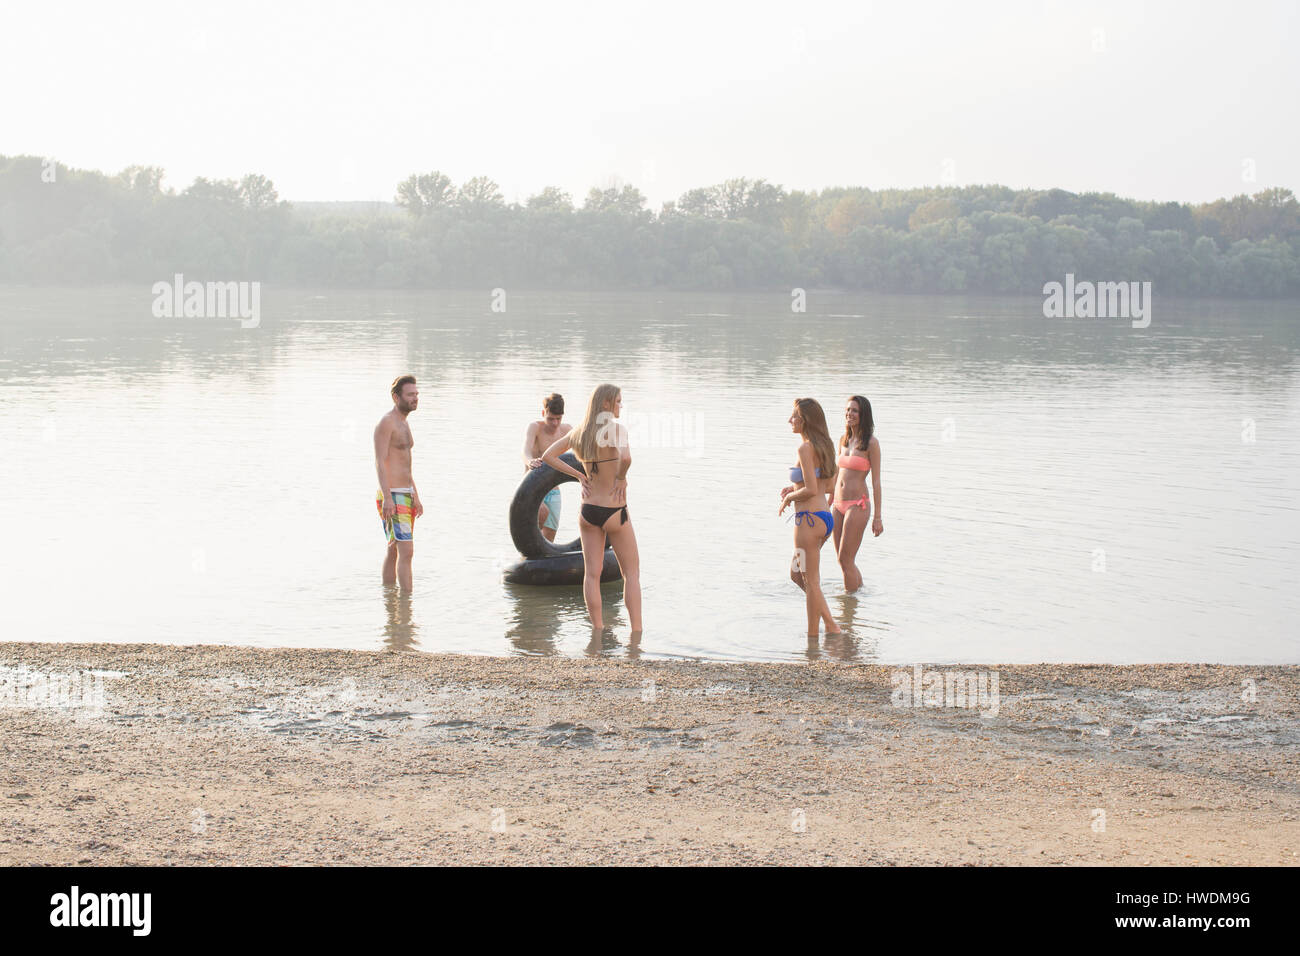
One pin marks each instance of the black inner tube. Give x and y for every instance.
(524, 531)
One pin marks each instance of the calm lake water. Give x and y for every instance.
(1055, 490)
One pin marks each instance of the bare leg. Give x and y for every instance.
(390, 565)
(623, 538)
(811, 540)
(817, 596)
(805, 539)
(542, 514)
(855, 523)
(405, 550)
(798, 561)
(839, 527)
(593, 561)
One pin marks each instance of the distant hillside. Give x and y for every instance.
(356, 209)
(61, 225)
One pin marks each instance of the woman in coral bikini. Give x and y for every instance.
(812, 478)
(600, 440)
(859, 454)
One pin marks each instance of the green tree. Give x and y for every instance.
(225, 191)
(626, 200)
(552, 199)
(142, 180)
(479, 193)
(425, 193)
(257, 192)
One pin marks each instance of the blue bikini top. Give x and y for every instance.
(796, 473)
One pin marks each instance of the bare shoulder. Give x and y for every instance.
(385, 423)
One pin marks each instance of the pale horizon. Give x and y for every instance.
(337, 103)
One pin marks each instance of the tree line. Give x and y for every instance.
(61, 225)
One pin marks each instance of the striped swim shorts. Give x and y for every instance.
(401, 527)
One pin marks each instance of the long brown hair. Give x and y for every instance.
(815, 430)
(866, 425)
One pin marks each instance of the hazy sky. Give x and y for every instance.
(344, 100)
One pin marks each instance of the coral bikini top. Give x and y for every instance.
(855, 462)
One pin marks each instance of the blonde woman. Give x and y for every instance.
(812, 478)
(600, 440)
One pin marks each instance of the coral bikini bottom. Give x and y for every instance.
(843, 506)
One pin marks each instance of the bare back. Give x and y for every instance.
(601, 474)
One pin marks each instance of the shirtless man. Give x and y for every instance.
(397, 500)
(539, 437)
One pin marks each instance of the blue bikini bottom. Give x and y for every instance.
(807, 516)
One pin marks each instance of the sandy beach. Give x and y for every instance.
(226, 755)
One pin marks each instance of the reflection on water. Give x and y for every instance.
(400, 633)
(856, 642)
(536, 616)
(603, 642)
(1054, 490)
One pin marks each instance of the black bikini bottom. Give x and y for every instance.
(599, 514)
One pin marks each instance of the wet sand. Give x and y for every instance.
(228, 755)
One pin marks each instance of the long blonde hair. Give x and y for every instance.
(584, 439)
(815, 430)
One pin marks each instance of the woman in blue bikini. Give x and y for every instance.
(813, 520)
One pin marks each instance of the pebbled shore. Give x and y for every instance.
(229, 755)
